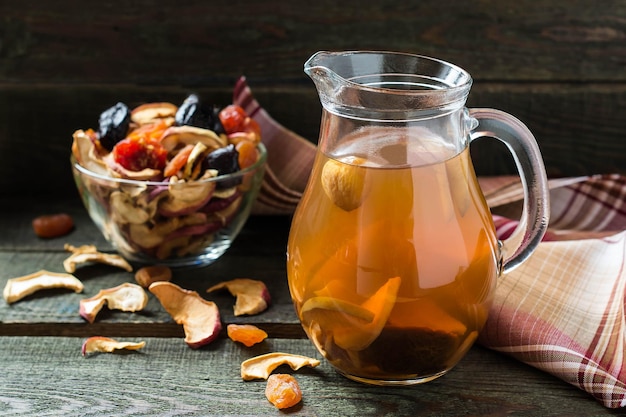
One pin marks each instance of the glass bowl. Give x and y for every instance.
(173, 224)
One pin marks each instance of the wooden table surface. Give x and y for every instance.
(42, 372)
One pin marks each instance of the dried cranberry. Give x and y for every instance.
(193, 112)
(137, 154)
(113, 125)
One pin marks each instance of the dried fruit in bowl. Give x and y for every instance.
(166, 182)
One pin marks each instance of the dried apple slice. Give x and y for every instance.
(126, 297)
(18, 288)
(354, 327)
(252, 296)
(89, 253)
(260, 367)
(106, 344)
(200, 318)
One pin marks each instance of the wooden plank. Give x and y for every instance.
(207, 43)
(579, 128)
(22, 253)
(48, 375)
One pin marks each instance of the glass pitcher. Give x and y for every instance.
(392, 257)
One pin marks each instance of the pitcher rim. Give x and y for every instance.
(466, 83)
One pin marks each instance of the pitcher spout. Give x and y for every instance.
(386, 85)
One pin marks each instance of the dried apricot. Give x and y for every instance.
(53, 225)
(283, 391)
(247, 334)
(178, 161)
(248, 153)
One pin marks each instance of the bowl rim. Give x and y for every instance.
(260, 163)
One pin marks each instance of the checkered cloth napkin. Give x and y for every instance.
(561, 311)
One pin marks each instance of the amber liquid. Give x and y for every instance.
(399, 287)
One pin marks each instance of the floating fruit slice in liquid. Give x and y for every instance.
(349, 323)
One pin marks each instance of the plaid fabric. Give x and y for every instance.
(561, 311)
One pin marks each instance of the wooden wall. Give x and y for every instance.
(559, 66)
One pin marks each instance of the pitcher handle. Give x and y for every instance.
(536, 210)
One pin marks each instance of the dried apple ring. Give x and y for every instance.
(18, 288)
(106, 344)
(260, 367)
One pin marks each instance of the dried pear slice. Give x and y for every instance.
(260, 367)
(106, 344)
(20, 287)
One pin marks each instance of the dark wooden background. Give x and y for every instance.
(559, 66)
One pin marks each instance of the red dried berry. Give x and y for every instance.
(233, 118)
(136, 154)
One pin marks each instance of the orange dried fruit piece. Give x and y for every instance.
(260, 367)
(252, 296)
(283, 391)
(354, 327)
(200, 318)
(53, 225)
(126, 297)
(336, 304)
(106, 344)
(247, 334)
(20, 287)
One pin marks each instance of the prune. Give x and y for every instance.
(193, 112)
(226, 161)
(113, 125)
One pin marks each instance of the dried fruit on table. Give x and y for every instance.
(283, 391)
(344, 182)
(247, 334)
(53, 225)
(200, 318)
(106, 344)
(125, 297)
(148, 275)
(260, 367)
(252, 296)
(89, 253)
(18, 288)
